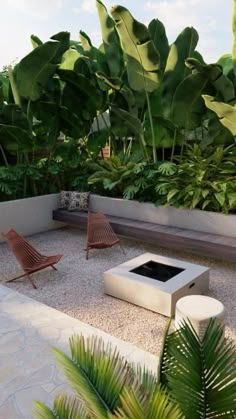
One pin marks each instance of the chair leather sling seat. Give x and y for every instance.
(28, 257)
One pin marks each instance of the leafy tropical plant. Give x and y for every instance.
(203, 179)
(117, 172)
(196, 378)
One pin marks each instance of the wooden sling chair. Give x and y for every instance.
(100, 234)
(29, 258)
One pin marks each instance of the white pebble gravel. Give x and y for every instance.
(77, 287)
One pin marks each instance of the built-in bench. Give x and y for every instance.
(191, 241)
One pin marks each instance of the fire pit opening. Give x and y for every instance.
(158, 271)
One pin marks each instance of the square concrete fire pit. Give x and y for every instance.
(156, 282)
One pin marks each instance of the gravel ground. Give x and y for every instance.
(77, 287)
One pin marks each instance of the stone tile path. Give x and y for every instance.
(28, 330)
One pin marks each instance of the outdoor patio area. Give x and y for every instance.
(77, 287)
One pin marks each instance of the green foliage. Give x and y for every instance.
(225, 112)
(200, 372)
(116, 173)
(34, 71)
(111, 42)
(137, 93)
(205, 179)
(196, 379)
(140, 52)
(176, 70)
(107, 386)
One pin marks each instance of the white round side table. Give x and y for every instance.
(199, 309)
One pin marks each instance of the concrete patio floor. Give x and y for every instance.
(77, 287)
(27, 369)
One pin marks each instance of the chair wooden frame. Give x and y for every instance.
(100, 234)
(27, 256)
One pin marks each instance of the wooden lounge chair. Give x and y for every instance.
(100, 234)
(29, 258)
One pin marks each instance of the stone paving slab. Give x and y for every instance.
(28, 330)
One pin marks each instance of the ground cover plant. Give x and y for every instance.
(164, 111)
(195, 379)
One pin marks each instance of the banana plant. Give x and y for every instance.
(142, 57)
(35, 70)
(234, 36)
(111, 41)
(225, 112)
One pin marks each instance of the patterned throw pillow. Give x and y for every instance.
(64, 199)
(79, 201)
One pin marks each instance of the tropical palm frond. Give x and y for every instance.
(131, 405)
(200, 373)
(64, 407)
(146, 379)
(160, 405)
(97, 373)
(42, 411)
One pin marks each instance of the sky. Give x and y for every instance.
(44, 18)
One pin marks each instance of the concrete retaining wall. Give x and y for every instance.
(209, 222)
(34, 215)
(29, 216)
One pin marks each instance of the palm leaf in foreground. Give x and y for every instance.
(157, 405)
(64, 407)
(201, 373)
(96, 372)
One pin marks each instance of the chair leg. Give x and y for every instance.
(87, 253)
(21, 276)
(17, 277)
(123, 250)
(31, 281)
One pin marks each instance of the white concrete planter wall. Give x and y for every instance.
(198, 220)
(29, 216)
(34, 215)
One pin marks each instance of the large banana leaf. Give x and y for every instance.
(35, 41)
(4, 88)
(97, 140)
(223, 85)
(160, 40)
(14, 138)
(80, 94)
(188, 107)
(164, 132)
(234, 36)
(226, 113)
(13, 115)
(111, 41)
(143, 60)
(226, 62)
(200, 372)
(176, 70)
(125, 124)
(69, 59)
(217, 133)
(34, 71)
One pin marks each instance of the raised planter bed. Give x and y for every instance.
(198, 220)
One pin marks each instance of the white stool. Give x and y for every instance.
(199, 309)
